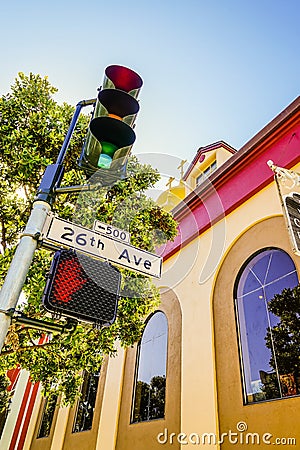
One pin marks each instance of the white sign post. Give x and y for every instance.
(59, 233)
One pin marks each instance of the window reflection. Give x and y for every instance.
(150, 382)
(267, 274)
(86, 405)
(47, 416)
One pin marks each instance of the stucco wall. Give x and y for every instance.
(194, 274)
(278, 417)
(143, 435)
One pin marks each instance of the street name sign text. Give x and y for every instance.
(111, 231)
(58, 233)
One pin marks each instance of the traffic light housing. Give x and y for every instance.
(110, 135)
(82, 288)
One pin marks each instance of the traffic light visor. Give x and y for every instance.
(112, 130)
(118, 103)
(123, 78)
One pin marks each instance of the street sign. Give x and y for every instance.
(58, 233)
(110, 231)
(291, 205)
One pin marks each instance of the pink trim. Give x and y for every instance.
(243, 175)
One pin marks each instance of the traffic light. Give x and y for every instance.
(82, 288)
(110, 135)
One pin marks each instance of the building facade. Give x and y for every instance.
(208, 371)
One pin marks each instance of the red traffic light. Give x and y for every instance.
(123, 78)
(82, 288)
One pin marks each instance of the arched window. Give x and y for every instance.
(265, 275)
(151, 365)
(83, 420)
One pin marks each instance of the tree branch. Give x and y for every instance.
(28, 347)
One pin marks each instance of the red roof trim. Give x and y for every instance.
(239, 178)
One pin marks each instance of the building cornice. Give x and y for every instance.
(240, 177)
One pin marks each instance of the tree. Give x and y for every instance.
(32, 129)
(283, 339)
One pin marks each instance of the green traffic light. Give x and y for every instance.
(106, 155)
(104, 161)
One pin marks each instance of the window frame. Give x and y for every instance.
(136, 370)
(206, 172)
(238, 325)
(88, 380)
(47, 417)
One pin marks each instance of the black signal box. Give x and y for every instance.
(82, 288)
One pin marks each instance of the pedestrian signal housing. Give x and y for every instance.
(82, 288)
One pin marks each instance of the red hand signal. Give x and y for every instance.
(68, 280)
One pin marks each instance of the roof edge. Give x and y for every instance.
(207, 148)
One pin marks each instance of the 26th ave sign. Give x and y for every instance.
(62, 233)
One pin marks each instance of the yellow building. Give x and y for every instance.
(204, 374)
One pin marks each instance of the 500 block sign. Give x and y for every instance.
(59, 233)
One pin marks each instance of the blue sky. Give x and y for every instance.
(212, 70)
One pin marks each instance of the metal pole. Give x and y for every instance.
(17, 272)
(66, 142)
(19, 267)
(42, 325)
